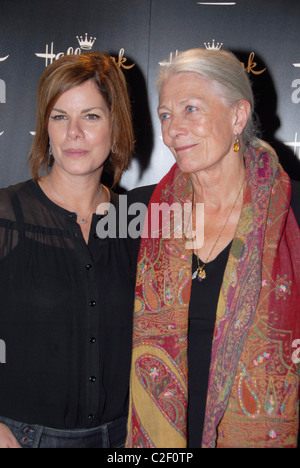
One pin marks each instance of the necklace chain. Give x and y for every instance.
(80, 218)
(200, 273)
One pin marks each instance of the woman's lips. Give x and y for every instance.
(184, 148)
(75, 152)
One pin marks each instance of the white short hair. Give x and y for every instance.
(226, 74)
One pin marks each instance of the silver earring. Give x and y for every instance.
(50, 156)
(114, 147)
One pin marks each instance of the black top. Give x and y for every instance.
(66, 315)
(202, 323)
(202, 317)
(201, 329)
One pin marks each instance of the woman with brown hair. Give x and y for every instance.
(65, 382)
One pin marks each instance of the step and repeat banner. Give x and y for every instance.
(140, 34)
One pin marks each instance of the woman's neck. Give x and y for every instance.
(218, 186)
(76, 193)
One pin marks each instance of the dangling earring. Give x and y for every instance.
(236, 144)
(50, 156)
(114, 147)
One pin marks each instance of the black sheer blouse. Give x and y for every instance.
(65, 317)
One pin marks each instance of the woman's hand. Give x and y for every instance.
(7, 439)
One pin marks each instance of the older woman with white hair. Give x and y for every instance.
(216, 327)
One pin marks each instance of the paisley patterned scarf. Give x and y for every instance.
(253, 391)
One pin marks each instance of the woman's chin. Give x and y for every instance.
(188, 166)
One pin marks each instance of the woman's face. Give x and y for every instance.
(196, 125)
(79, 130)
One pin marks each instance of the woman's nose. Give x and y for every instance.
(176, 127)
(74, 130)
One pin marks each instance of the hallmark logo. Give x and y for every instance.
(250, 67)
(85, 44)
(213, 45)
(2, 352)
(50, 56)
(165, 63)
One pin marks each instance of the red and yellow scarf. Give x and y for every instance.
(253, 391)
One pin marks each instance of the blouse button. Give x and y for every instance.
(93, 340)
(92, 303)
(92, 379)
(89, 266)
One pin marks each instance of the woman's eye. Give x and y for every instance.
(164, 116)
(92, 117)
(191, 108)
(58, 117)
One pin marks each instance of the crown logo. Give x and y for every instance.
(85, 43)
(213, 45)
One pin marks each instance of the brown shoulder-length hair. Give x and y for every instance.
(73, 70)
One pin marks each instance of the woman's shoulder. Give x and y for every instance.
(10, 193)
(295, 199)
(10, 189)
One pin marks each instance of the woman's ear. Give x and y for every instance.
(242, 112)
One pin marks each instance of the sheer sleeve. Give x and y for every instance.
(9, 233)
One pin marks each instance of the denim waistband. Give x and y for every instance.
(111, 434)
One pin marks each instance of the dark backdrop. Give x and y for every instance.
(265, 34)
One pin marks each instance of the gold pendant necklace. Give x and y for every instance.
(200, 273)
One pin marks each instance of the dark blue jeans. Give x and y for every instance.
(110, 435)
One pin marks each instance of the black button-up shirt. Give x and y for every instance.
(65, 315)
